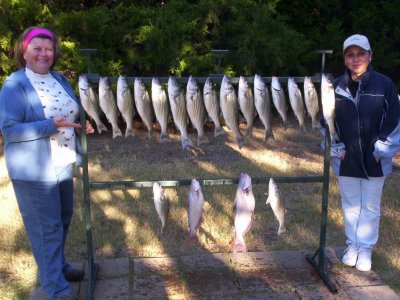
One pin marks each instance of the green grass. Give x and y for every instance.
(125, 222)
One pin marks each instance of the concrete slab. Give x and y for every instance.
(351, 277)
(213, 284)
(117, 288)
(164, 286)
(155, 265)
(37, 293)
(212, 261)
(252, 260)
(116, 267)
(292, 259)
(303, 276)
(373, 292)
(319, 291)
(262, 280)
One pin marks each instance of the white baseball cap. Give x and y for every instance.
(357, 40)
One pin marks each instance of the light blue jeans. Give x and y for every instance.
(361, 204)
(46, 208)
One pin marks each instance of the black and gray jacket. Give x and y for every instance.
(368, 125)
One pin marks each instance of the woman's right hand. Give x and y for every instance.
(61, 122)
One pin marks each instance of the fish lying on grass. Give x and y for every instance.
(275, 199)
(296, 101)
(279, 99)
(90, 102)
(160, 105)
(212, 106)
(230, 108)
(328, 105)
(244, 209)
(109, 105)
(125, 104)
(246, 104)
(161, 203)
(143, 104)
(194, 204)
(178, 108)
(262, 102)
(195, 108)
(311, 100)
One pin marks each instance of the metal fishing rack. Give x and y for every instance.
(319, 260)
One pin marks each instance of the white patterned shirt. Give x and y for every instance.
(57, 103)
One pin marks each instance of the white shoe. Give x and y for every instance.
(350, 256)
(364, 260)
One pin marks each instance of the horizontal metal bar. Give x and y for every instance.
(112, 185)
(93, 78)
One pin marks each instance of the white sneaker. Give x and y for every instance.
(364, 260)
(350, 256)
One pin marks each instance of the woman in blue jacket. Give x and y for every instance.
(39, 122)
(367, 116)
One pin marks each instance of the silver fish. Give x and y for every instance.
(161, 203)
(125, 104)
(90, 102)
(244, 209)
(277, 203)
(160, 105)
(296, 101)
(109, 105)
(262, 103)
(311, 100)
(328, 104)
(212, 106)
(279, 99)
(246, 104)
(229, 107)
(195, 203)
(178, 108)
(195, 109)
(143, 104)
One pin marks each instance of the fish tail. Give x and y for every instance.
(164, 137)
(193, 238)
(202, 139)
(186, 143)
(249, 131)
(315, 124)
(100, 126)
(219, 131)
(239, 140)
(282, 229)
(129, 132)
(239, 246)
(116, 132)
(302, 127)
(269, 135)
(150, 132)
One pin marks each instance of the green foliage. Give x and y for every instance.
(158, 38)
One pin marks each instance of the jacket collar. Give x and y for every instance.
(342, 87)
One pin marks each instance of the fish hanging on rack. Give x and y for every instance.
(275, 199)
(194, 204)
(161, 203)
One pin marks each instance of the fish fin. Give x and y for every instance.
(316, 125)
(249, 132)
(302, 128)
(219, 131)
(239, 140)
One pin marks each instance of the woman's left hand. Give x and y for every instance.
(89, 129)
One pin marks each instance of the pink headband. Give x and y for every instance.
(35, 32)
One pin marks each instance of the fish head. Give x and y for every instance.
(83, 82)
(208, 86)
(275, 83)
(226, 85)
(157, 190)
(326, 82)
(245, 182)
(194, 185)
(155, 84)
(122, 85)
(192, 86)
(173, 86)
(259, 82)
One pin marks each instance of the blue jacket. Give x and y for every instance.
(26, 130)
(368, 126)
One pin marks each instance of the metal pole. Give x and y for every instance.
(91, 266)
